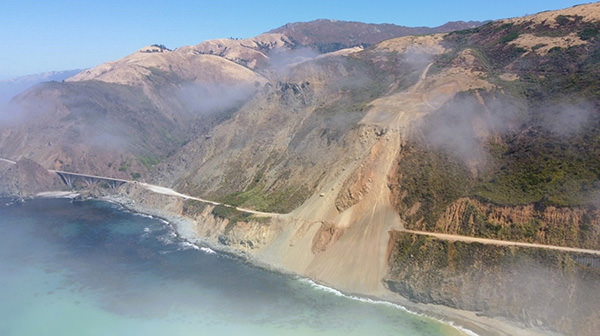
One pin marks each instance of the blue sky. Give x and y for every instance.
(46, 35)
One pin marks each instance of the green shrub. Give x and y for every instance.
(588, 33)
(149, 161)
(193, 207)
(510, 37)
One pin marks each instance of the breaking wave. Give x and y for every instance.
(186, 245)
(207, 250)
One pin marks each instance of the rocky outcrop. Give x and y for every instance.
(355, 187)
(552, 290)
(327, 235)
(233, 228)
(218, 225)
(26, 178)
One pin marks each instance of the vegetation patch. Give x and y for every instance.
(124, 166)
(232, 214)
(193, 207)
(434, 179)
(509, 37)
(529, 163)
(280, 201)
(545, 170)
(149, 161)
(589, 32)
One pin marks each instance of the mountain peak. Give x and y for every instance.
(327, 35)
(154, 48)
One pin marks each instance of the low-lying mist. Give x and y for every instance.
(205, 98)
(565, 118)
(282, 59)
(462, 126)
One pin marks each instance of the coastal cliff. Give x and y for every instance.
(25, 178)
(542, 288)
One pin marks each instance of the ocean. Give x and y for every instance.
(94, 268)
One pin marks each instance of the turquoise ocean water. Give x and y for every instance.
(93, 268)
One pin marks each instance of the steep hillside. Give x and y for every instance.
(517, 160)
(25, 178)
(531, 139)
(123, 117)
(90, 127)
(274, 152)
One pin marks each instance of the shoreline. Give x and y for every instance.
(467, 322)
(183, 227)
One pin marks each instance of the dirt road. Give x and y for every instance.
(168, 191)
(468, 239)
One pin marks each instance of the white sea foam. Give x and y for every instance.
(143, 215)
(323, 288)
(187, 245)
(381, 302)
(357, 298)
(168, 238)
(207, 250)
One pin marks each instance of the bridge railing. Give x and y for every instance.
(70, 179)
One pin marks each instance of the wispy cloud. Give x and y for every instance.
(566, 119)
(203, 98)
(461, 126)
(281, 60)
